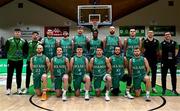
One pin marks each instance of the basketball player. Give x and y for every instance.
(79, 69)
(130, 43)
(139, 68)
(119, 63)
(40, 67)
(94, 43)
(81, 40)
(110, 41)
(59, 72)
(49, 43)
(100, 67)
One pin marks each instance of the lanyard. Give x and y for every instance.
(17, 41)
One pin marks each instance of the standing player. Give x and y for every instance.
(94, 43)
(130, 43)
(119, 63)
(110, 41)
(32, 46)
(40, 67)
(81, 40)
(49, 43)
(139, 68)
(15, 48)
(79, 69)
(59, 72)
(100, 67)
(151, 52)
(169, 50)
(67, 46)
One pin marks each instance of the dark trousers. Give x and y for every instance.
(28, 74)
(10, 70)
(153, 67)
(164, 70)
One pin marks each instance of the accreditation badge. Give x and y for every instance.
(170, 55)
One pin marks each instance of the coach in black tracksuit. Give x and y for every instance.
(169, 51)
(151, 52)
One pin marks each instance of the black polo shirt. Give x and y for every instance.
(168, 50)
(151, 48)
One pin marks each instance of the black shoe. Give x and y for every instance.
(163, 92)
(115, 91)
(69, 89)
(104, 90)
(175, 92)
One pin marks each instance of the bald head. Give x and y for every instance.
(39, 49)
(111, 30)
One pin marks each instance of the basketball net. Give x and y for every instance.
(94, 24)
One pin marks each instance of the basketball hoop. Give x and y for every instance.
(94, 24)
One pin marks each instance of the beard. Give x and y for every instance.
(117, 54)
(112, 32)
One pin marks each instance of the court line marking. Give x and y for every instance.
(30, 100)
(164, 102)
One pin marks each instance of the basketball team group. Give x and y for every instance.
(73, 62)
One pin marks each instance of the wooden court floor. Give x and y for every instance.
(120, 103)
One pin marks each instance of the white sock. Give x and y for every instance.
(127, 91)
(147, 92)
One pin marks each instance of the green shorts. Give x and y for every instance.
(37, 81)
(77, 80)
(115, 80)
(58, 82)
(137, 82)
(98, 80)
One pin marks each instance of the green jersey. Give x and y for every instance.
(32, 46)
(138, 66)
(94, 43)
(99, 66)
(117, 63)
(14, 47)
(49, 47)
(80, 40)
(111, 42)
(131, 44)
(59, 65)
(66, 45)
(39, 65)
(79, 66)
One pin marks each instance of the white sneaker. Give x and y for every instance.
(128, 95)
(147, 98)
(107, 98)
(25, 91)
(8, 92)
(19, 91)
(64, 97)
(154, 90)
(86, 96)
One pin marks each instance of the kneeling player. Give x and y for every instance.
(100, 68)
(79, 68)
(40, 66)
(59, 73)
(119, 63)
(139, 68)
